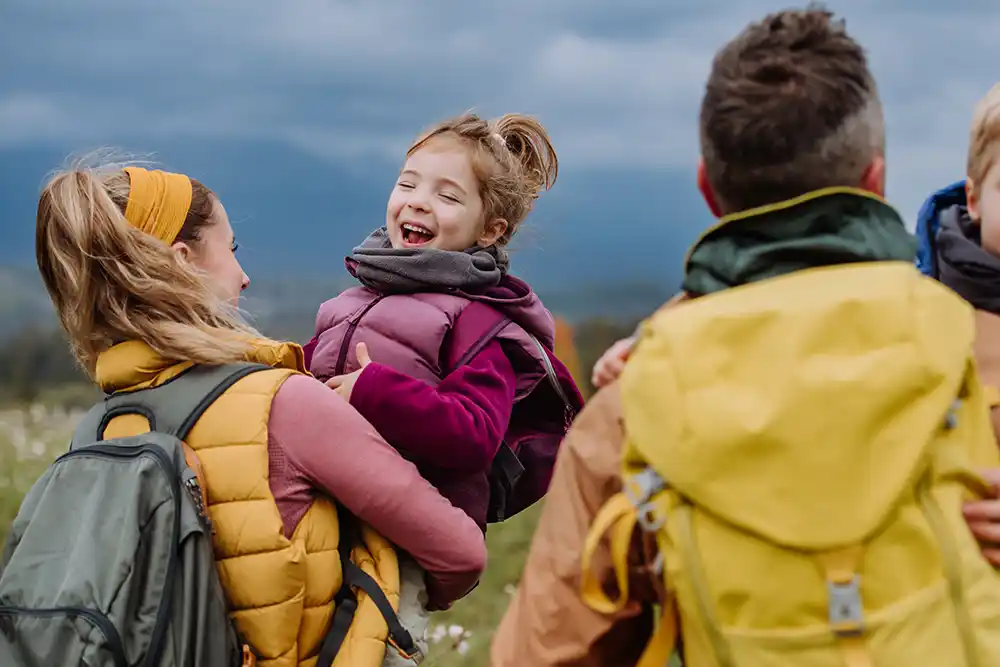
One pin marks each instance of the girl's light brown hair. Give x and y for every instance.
(512, 157)
(110, 282)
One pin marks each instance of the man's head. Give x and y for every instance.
(983, 169)
(790, 107)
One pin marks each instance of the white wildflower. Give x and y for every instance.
(463, 647)
(456, 631)
(440, 632)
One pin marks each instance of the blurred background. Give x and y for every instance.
(298, 115)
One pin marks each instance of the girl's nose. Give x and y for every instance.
(418, 200)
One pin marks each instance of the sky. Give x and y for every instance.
(298, 112)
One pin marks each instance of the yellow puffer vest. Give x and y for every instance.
(280, 590)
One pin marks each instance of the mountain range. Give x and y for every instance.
(297, 215)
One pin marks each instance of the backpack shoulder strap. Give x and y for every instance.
(172, 407)
(474, 328)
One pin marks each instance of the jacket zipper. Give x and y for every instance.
(345, 344)
(156, 642)
(100, 621)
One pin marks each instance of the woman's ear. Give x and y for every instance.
(492, 232)
(182, 249)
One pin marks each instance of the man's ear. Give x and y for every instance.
(492, 232)
(706, 189)
(873, 180)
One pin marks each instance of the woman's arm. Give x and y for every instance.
(341, 454)
(457, 425)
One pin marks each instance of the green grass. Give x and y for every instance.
(30, 438)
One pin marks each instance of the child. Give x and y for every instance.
(462, 377)
(958, 230)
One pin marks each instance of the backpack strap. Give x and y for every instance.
(172, 407)
(347, 601)
(474, 328)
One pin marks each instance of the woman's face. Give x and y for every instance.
(215, 254)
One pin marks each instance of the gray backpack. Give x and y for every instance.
(109, 562)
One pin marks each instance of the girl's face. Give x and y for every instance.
(436, 202)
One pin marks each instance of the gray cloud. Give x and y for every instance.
(618, 85)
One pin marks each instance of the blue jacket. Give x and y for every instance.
(928, 221)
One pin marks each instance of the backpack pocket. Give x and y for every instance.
(59, 636)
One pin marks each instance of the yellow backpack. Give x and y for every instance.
(801, 448)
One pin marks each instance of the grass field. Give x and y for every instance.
(31, 437)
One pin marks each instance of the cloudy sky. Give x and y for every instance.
(300, 110)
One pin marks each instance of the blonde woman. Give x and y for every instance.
(141, 267)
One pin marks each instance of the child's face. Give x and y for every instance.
(436, 202)
(984, 208)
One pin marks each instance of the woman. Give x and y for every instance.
(141, 268)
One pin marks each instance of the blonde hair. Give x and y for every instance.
(110, 282)
(512, 158)
(984, 136)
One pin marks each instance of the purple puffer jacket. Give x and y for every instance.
(416, 334)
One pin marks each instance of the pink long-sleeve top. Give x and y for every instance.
(335, 450)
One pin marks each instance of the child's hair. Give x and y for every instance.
(790, 107)
(110, 282)
(984, 138)
(512, 157)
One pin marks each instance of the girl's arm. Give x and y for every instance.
(341, 454)
(457, 425)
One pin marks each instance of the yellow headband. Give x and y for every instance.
(158, 202)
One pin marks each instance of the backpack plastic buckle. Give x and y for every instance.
(845, 608)
(642, 486)
(416, 656)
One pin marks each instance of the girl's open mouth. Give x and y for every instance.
(416, 235)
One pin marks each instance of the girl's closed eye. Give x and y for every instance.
(451, 198)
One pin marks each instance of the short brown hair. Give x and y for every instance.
(984, 137)
(790, 107)
(512, 158)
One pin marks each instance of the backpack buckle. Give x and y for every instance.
(845, 608)
(642, 486)
(416, 656)
(640, 489)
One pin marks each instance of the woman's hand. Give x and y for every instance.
(612, 362)
(983, 517)
(344, 384)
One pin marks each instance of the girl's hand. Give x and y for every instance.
(344, 384)
(983, 517)
(612, 362)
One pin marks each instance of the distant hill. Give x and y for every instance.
(285, 307)
(23, 301)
